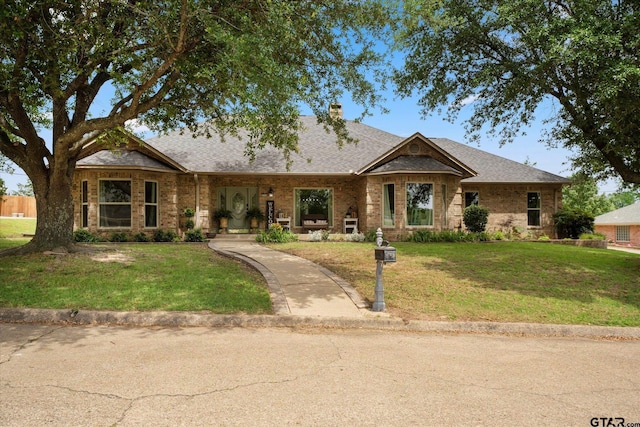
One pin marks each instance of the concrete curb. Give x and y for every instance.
(188, 319)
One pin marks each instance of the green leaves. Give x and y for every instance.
(504, 58)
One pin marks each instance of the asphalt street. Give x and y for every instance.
(195, 376)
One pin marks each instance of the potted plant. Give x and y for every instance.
(255, 214)
(222, 215)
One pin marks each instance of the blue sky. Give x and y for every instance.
(404, 119)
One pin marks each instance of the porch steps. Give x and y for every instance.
(235, 237)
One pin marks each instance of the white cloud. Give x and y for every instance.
(135, 126)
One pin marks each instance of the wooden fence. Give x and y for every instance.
(18, 206)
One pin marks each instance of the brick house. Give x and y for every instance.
(396, 183)
(621, 226)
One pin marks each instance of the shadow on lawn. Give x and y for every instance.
(540, 270)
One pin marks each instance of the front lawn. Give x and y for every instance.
(127, 277)
(16, 227)
(505, 282)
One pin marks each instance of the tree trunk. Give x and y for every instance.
(54, 206)
(54, 226)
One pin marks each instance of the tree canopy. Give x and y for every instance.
(212, 65)
(507, 57)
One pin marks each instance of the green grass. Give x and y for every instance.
(16, 227)
(509, 281)
(141, 277)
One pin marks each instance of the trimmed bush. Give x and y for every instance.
(141, 237)
(164, 236)
(119, 237)
(194, 236)
(85, 236)
(446, 236)
(475, 218)
(571, 223)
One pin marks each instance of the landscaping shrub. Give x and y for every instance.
(475, 218)
(370, 236)
(164, 236)
(141, 237)
(276, 234)
(119, 237)
(194, 236)
(448, 236)
(593, 236)
(498, 235)
(355, 236)
(571, 223)
(85, 236)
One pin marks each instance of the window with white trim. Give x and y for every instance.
(533, 209)
(623, 233)
(114, 203)
(150, 204)
(419, 203)
(388, 205)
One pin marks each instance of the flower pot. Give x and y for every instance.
(224, 223)
(254, 223)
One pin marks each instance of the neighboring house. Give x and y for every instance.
(396, 183)
(621, 226)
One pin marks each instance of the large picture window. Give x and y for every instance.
(533, 209)
(150, 204)
(389, 205)
(419, 204)
(115, 203)
(317, 201)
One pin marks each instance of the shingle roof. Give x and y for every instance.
(320, 155)
(628, 215)
(214, 155)
(492, 168)
(131, 159)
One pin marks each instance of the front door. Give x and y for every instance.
(238, 200)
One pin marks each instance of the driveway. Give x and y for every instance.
(117, 376)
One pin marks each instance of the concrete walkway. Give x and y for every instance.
(297, 286)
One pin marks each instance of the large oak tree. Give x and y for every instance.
(171, 63)
(508, 57)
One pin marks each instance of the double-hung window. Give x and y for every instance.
(114, 203)
(533, 209)
(419, 204)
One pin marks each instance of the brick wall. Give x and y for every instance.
(610, 232)
(167, 199)
(507, 204)
(345, 192)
